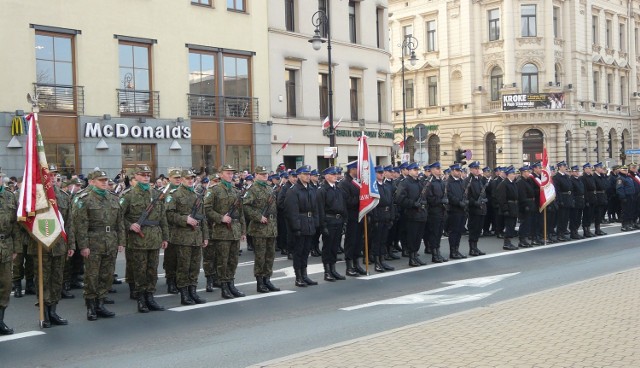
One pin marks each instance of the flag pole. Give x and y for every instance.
(544, 211)
(40, 285)
(366, 246)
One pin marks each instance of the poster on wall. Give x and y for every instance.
(533, 101)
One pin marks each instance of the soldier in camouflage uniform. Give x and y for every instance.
(170, 258)
(261, 210)
(8, 247)
(223, 207)
(209, 253)
(144, 239)
(53, 259)
(99, 230)
(23, 262)
(71, 188)
(188, 235)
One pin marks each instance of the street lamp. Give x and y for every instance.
(321, 18)
(410, 44)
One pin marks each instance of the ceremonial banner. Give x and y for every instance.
(547, 190)
(37, 206)
(369, 194)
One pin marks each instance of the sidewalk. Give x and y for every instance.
(595, 323)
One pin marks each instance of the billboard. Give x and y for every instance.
(533, 101)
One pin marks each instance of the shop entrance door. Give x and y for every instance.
(139, 154)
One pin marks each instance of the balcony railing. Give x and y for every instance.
(59, 98)
(135, 102)
(206, 106)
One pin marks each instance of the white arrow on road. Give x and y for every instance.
(427, 297)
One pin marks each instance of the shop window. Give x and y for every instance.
(63, 155)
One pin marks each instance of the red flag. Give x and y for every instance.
(37, 207)
(369, 194)
(284, 145)
(547, 190)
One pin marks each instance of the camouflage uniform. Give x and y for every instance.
(256, 205)
(188, 241)
(8, 246)
(23, 265)
(144, 250)
(169, 262)
(217, 203)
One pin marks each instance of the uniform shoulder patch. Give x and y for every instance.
(169, 199)
(173, 190)
(121, 200)
(126, 191)
(619, 182)
(208, 194)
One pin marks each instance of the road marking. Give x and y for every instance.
(21, 335)
(229, 301)
(427, 297)
(493, 255)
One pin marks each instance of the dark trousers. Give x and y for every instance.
(170, 261)
(575, 219)
(413, 234)
(435, 226)
(301, 251)
(475, 227)
(525, 225)
(509, 227)
(598, 214)
(331, 243)
(393, 236)
(281, 240)
(488, 220)
(563, 220)
(587, 215)
(456, 228)
(378, 232)
(552, 221)
(353, 238)
(425, 235)
(498, 222)
(537, 223)
(628, 211)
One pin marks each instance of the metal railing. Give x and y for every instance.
(59, 98)
(206, 106)
(136, 102)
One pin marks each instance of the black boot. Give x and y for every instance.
(151, 302)
(261, 287)
(474, 251)
(76, 283)
(17, 289)
(524, 243)
(224, 291)
(335, 273)
(454, 254)
(30, 288)
(142, 304)
(385, 265)
(436, 257)
(115, 280)
(55, 318)
(236, 293)
(412, 260)
(185, 296)
(269, 285)
(351, 271)
(315, 251)
(299, 281)
(65, 294)
(209, 288)
(306, 278)
(391, 254)
(108, 300)
(101, 311)
(91, 309)
(507, 245)
(358, 268)
(171, 286)
(327, 273)
(575, 235)
(4, 329)
(417, 259)
(599, 232)
(47, 320)
(587, 232)
(194, 295)
(378, 264)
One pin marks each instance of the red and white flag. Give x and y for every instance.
(284, 145)
(37, 206)
(325, 123)
(547, 190)
(369, 193)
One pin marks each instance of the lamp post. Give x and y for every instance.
(410, 44)
(321, 18)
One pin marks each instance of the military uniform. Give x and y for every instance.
(625, 191)
(438, 202)
(458, 202)
(23, 264)
(601, 198)
(380, 219)
(181, 203)
(353, 241)
(591, 200)
(260, 209)
(9, 245)
(563, 185)
(332, 212)
(144, 247)
(209, 252)
(226, 237)
(507, 196)
(169, 261)
(527, 190)
(409, 197)
(578, 205)
(97, 218)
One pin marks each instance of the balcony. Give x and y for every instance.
(135, 102)
(59, 98)
(206, 106)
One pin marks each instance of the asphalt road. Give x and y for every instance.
(261, 327)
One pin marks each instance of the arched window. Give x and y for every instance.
(433, 145)
(529, 79)
(599, 144)
(532, 145)
(490, 150)
(496, 83)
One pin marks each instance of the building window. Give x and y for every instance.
(408, 92)
(529, 79)
(201, 2)
(622, 38)
(494, 24)
(62, 155)
(353, 93)
(54, 59)
(352, 22)
(380, 100)
(609, 87)
(610, 143)
(496, 83)
(239, 157)
(596, 78)
(556, 22)
(204, 158)
(623, 88)
(379, 27)
(236, 5)
(323, 84)
(202, 73)
(135, 95)
(406, 32)
(528, 20)
(431, 35)
(289, 11)
(608, 34)
(432, 83)
(290, 87)
(236, 76)
(322, 7)
(594, 29)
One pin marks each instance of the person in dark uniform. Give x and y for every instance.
(332, 212)
(458, 203)
(552, 213)
(614, 207)
(578, 203)
(410, 198)
(281, 240)
(477, 197)
(626, 192)
(353, 242)
(380, 219)
(292, 179)
(527, 206)
(302, 215)
(633, 173)
(601, 197)
(393, 231)
(437, 206)
(563, 185)
(425, 178)
(507, 196)
(402, 234)
(488, 226)
(537, 222)
(498, 220)
(315, 243)
(591, 199)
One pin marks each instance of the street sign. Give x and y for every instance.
(420, 132)
(632, 152)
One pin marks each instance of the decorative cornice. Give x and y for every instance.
(529, 41)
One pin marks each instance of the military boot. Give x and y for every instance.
(454, 253)
(587, 232)
(17, 289)
(328, 276)
(599, 232)
(391, 254)
(75, 282)
(142, 304)
(55, 318)
(65, 294)
(418, 259)
(224, 291)
(171, 286)
(306, 278)
(507, 245)
(299, 281)
(102, 311)
(185, 297)
(575, 235)
(334, 272)
(91, 309)
(4, 329)
(350, 270)
(194, 295)
(412, 261)
(524, 243)
(132, 292)
(378, 264)
(209, 288)
(232, 288)
(385, 265)
(269, 285)
(315, 251)
(46, 323)
(151, 302)
(473, 251)
(358, 268)
(260, 286)
(30, 288)
(436, 257)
